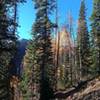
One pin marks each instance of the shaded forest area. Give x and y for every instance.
(55, 64)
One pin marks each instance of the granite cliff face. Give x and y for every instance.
(16, 63)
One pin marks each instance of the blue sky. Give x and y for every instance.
(26, 14)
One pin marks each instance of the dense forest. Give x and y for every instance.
(57, 63)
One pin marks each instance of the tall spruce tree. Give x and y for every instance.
(7, 44)
(44, 56)
(30, 73)
(83, 42)
(5, 53)
(95, 33)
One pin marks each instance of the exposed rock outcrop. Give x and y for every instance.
(16, 63)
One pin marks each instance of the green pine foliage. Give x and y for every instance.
(43, 70)
(30, 74)
(8, 42)
(6, 52)
(95, 33)
(83, 42)
(39, 71)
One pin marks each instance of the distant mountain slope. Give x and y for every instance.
(16, 66)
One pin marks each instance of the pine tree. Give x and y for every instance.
(83, 42)
(95, 33)
(5, 55)
(7, 45)
(44, 58)
(30, 73)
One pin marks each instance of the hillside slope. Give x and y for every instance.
(90, 92)
(86, 90)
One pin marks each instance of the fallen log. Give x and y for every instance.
(80, 85)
